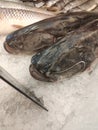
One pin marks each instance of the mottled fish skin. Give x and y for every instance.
(14, 18)
(43, 34)
(70, 55)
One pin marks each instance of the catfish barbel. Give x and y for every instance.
(14, 15)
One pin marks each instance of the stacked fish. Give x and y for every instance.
(65, 44)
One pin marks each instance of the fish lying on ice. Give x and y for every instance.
(40, 35)
(69, 56)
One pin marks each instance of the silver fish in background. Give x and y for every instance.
(14, 15)
(71, 5)
(45, 33)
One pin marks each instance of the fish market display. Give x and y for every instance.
(66, 44)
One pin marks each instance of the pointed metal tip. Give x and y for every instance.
(5, 76)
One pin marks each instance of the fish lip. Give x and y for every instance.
(14, 50)
(9, 49)
(39, 76)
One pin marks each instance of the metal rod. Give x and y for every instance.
(5, 76)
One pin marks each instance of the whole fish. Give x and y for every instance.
(70, 55)
(14, 16)
(43, 34)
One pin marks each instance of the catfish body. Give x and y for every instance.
(70, 55)
(45, 33)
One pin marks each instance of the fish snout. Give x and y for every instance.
(35, 73)
(9, 49)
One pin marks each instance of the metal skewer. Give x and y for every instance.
(5, 76)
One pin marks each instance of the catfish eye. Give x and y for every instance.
(35, 58)
(9, 37)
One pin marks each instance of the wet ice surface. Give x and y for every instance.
(72, 104)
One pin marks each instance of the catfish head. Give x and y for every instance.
(43, 34)
(70, 55)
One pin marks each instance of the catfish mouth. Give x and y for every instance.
(10, 49)
(16, 50)
(39, 76)
(68, 73)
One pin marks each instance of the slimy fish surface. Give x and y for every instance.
(45, 33)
